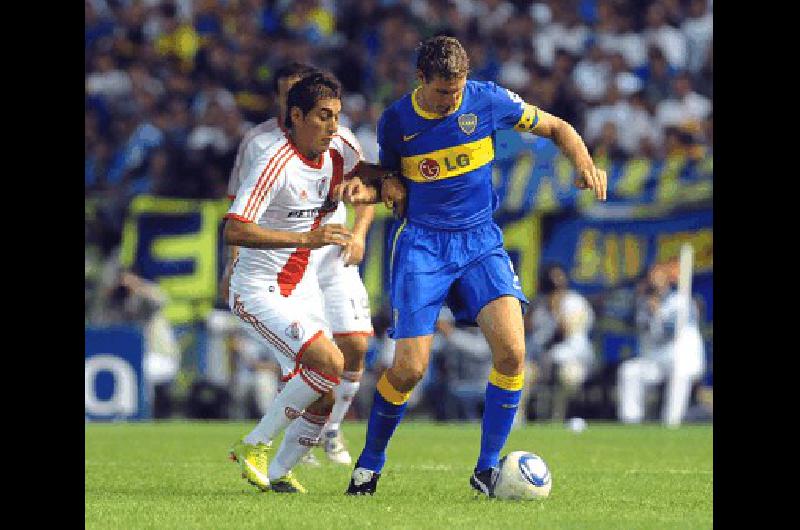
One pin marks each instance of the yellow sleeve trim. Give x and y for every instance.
(529, 119)
(449, 162)
(506, 382)
(389, 393)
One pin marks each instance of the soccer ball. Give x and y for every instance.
(523, 476)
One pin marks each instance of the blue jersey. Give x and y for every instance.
(446, 161)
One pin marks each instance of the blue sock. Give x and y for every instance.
(499, 410)
(384, 418)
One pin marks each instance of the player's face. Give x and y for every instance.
(314, 131)
(441, 95)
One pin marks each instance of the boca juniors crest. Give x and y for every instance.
(468, 122)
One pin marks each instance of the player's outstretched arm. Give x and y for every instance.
(571, 144)
(251, 235)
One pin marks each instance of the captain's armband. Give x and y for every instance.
(529, 118)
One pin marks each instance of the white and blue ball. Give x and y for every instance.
(523, 476)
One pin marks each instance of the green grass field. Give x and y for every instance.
(176, 475)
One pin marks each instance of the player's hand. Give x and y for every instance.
(353, 191)
(353, 252)
(393, 195)
(593, 178)
(331, 234)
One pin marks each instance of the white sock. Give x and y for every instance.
(300, 436)
(343, 393)
(300, 392)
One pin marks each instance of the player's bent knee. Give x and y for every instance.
(407, 376)
(324, 356)
(510, 362)
(353, 344)
(336, 363)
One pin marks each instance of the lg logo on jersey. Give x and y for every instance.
(431, 169)
(462, 160)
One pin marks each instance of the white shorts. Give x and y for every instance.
(344, 295)
(287, 324)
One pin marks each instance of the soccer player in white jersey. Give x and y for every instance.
(345, 298)
(280, 213)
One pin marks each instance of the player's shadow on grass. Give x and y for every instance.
(160, 493)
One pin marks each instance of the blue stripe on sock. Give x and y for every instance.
(499, 410)
(383, 420)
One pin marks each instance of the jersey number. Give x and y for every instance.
(361, 310)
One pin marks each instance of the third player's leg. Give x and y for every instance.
(348, 315)
(353, 348)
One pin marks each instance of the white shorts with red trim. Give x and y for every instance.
(287, 325)
(345, 297)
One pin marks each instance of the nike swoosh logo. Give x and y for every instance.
(508, 406)
(410, 137)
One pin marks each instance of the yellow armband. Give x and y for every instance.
(529, 118)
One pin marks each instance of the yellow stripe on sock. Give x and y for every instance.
(389, 393)
(506, 382)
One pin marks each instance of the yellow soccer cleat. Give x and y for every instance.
(253, 461)
(287, 484)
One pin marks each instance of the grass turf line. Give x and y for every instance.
(176, 475)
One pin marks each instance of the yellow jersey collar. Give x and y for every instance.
(432, 115)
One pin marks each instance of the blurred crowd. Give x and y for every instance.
(172, 85)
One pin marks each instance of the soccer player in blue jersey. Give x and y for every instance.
(448, 249)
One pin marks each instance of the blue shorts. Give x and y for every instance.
(467, 269)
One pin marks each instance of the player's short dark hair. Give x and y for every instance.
(305, 93)
(292, 69)
(443, 56)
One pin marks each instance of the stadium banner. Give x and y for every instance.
(531, 174)
(602, 253)
(605, 257)
(114, 385)
(178, 244)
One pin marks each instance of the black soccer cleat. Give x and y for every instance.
(363, 482)
(485, 480)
